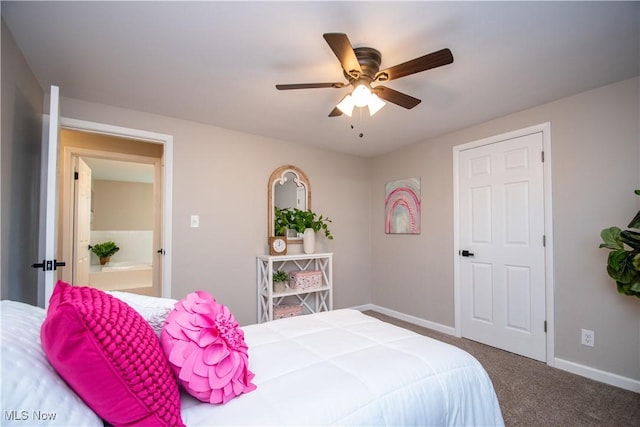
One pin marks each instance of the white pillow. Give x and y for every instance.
(32, 392)
(153, 309)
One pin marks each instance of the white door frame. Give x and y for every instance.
(68, 207)
(167, 179)
(49, 198)
(545, 128)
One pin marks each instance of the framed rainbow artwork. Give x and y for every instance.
(402, 206)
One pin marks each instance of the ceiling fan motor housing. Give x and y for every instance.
(369, 60)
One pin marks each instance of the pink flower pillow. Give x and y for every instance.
(111, 357)
(206, 349)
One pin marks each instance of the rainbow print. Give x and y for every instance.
(402, 206)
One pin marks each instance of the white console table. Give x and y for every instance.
(312, 300)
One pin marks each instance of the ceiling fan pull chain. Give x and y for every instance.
(360, 134)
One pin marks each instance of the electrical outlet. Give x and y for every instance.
(588, 338)
(195, 221)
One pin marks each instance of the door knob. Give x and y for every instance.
(465, 253)
(48, 265)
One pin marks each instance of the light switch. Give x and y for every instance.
(195, 221)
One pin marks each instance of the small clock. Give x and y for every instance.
(277, 245)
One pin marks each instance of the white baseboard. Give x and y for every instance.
(575, 368)
(407, 318)
(598, 375)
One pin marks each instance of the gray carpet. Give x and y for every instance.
(533, 394)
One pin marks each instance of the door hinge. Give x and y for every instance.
(542, 156)
(544, 240)
(75, 176)
(545, 326)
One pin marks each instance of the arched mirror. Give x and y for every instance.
(289, 187)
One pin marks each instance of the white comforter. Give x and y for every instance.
(345, 368)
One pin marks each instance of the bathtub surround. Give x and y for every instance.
(123, 276)
(136, 246)
(131, 268)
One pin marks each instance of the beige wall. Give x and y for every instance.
(222, 176)
(595, 141)
(22, 107)
(121, 205)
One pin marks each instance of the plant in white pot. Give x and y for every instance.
(308, 223)
(280, 279)
(305, 222)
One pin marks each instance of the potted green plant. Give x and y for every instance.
(104, 251)
(623, 263)
(305, 222)
(302, 220)
(299, 220)
(280, 279)
(308, 223)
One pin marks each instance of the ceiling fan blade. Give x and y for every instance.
(341, 46)
(396, 97)
(309, 86)
(423, 63)
(335, 112)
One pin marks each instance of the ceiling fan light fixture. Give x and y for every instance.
(375, 104)
(346, 105)
(361, 95)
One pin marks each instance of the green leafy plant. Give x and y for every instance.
(623, 264)
(280, 276)
(105, 249)
(281, 221)
(299, 220)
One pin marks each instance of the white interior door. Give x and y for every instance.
(502, 263)
(48, 262)
(81, 223)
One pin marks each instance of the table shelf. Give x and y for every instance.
(312, 300)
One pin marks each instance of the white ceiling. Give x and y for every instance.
(218, 62)
(118, 170)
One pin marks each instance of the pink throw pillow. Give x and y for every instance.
(206, 349)
(111, 357)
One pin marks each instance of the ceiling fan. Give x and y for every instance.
(361, 67)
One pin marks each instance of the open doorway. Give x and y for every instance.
(112, 192)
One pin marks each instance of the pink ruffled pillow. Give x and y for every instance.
(111, 357)
(206, 349)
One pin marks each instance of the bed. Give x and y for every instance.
(331, 368)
